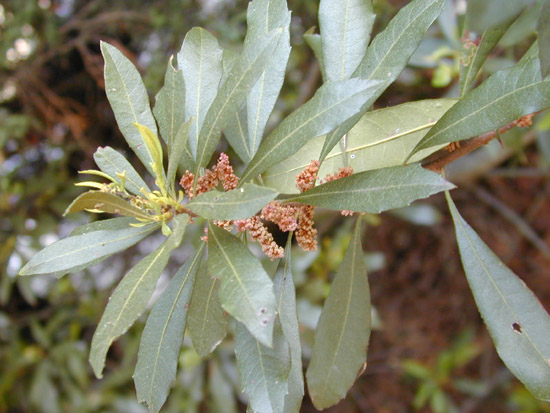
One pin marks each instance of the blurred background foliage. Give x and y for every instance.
(431, 355)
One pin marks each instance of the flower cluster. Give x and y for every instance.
(221, 172)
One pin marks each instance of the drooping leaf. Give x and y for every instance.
(388, 54)
(286, 299)
(543, 29)
(264, 16)
(115, 164)
(263, 370)
(162, 336)
(517, 322)
(382, 138)
(130, 297)
(246, 291)
(75, 252)
(206, 318)
(178, 153)
(345, 33)
(505, 96)
(332, 104)
(375, 191)
(169, 109)
(486, 14)
(221, 392)
(243, 76)
(342, 336)
(200, 60)
(314, 42)
(105, 202)
(240, 203)
(129, 100)
(473, 56)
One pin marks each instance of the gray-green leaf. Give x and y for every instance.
(115, 164)
(246, 291)
(315, 43)
(129, 100)
(206, 319)
(200, 60)
(375, 191)
(111, 224)
(130, 297)
(543, 28)
(263, 370)
(105, 202)
(342, 336)
(382, 138)
(332, 104)
(178, 154)
(345, 33)
(240, 203)
(506, 96)
(517, 322)
(162, 336)
(74, 252)
(485, 14)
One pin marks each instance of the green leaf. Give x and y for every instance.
(543, 28)
(200, 60)
(244, 74)
(342, 336)
(264, 16)
(105, 202)
(177, 153)
(111, 224)
(517, 322)
(74, 252)
(155, 149)
(130, 297)
(314, 42)
(240, 203)
(115, 164)
(206, 320)
(388, 54)
(332, 104)
(505, 96)
(473, 56)
(382, 138)
(485, 14)
(129, 100)
(162, 336)
(246, 291)
(286, 299)
(345, 33)
(236, 133)
(375, 191)
(263, 370)
(220, 389)
(169, 109)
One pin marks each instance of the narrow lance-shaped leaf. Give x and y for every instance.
(129, 100)
(517, 322)
(543, 29)
(236, 133)
(246, 291)
(264, 16)
(286, 299)
(177, 154)
(220, 389)
(155, 149)
(314, 42)
(206, 320)
(263, 370)
(162, 336)
(105, 202)
(244, 74)
(130, 297)
(473, 56)
(169, 109)
(342, 336)
(115, 165)
(345, 33)
(200, 60)
(388, 54)
(240, 203)
(506, 96)
(485, 14)
(75, 252)
(333, 103)
(111, 224)
(375, 191)
(382, 138)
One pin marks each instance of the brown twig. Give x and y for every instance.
(445, 157)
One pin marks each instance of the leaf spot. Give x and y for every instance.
(352, 156)
(186, 306)
(517, 328)
(265, 322)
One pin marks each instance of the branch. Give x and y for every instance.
(445, 157)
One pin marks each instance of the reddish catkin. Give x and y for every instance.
(306, 179)
(259, 232)
(284, 216)
(341, 173)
